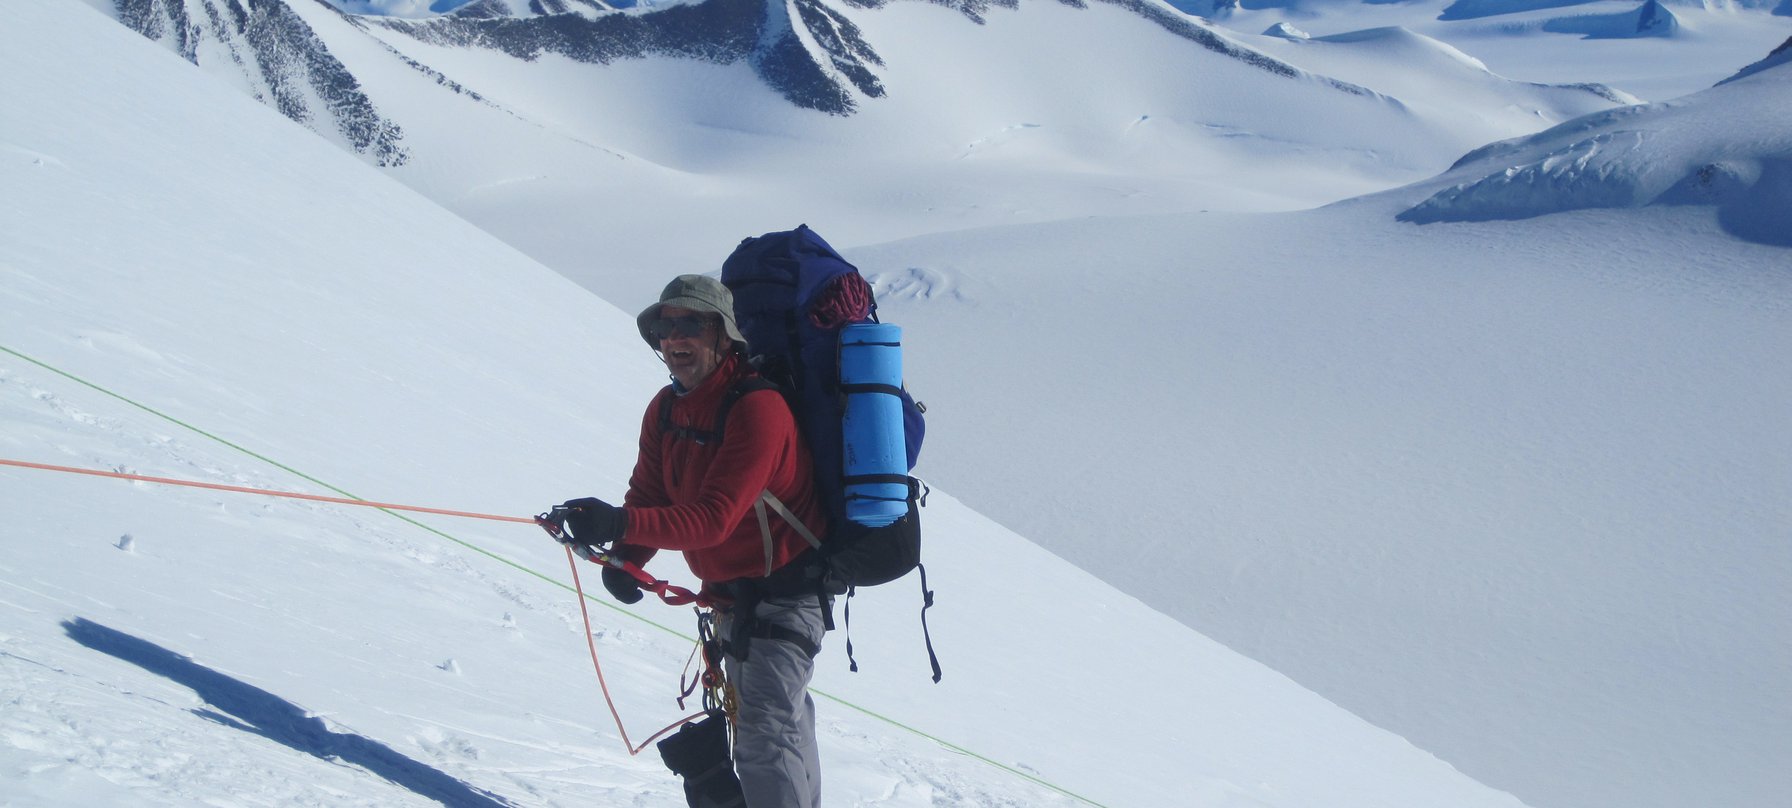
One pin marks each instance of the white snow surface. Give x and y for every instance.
(1728, 147)
(185, 274)
(1514, 489)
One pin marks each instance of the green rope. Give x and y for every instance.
(302, 475)
(518, 566)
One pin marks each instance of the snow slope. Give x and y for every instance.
(1515, 490)
(1518, 490)
(196, 288)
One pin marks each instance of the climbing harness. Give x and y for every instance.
(718, 694)
(554, 522)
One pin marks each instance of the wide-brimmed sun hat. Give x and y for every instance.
(697, 293)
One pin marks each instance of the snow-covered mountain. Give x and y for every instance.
(808, 51)
(1510, 485)
(1728, 147)
(1780, 55)
(1654, 50)
(566, 133)
(167, 307)
(273, 54)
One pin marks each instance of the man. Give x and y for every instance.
(699, 473)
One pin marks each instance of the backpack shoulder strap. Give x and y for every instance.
(703, 436)
(708, 436)
(769, 500)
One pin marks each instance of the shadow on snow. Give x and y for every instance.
(257, 711)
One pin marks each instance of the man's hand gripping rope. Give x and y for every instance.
(554, 522)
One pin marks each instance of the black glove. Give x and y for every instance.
(622, 585)
(594, 522)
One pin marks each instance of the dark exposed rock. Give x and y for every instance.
(720, 31)
(280, 54)
(828, 69)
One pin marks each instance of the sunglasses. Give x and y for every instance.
(690, 325)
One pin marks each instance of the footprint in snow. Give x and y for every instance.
(915, 283)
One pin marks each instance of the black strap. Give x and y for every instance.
(741, 643)
(877, 479)
(747, 593)
(704, 437)
(870, 387)
(913, 485)
(769, 631)
(927, 603)
(933, 659)
(889, 479)
(851, 663)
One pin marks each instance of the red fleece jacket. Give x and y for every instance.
(699, 498)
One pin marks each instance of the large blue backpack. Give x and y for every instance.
(780, 281)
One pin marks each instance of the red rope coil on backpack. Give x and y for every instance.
(845, 299)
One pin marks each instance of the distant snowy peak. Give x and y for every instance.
(1211, 9)
(1283, 30)
(1727, 147)
(278, 59)
(810, 51)
(1649, 18)
(1365, 55)
(1407, 44)
(303, 57)
(806, 50)
(1780, 56)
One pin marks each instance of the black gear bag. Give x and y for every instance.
(700, 753)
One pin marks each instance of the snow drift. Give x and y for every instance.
(1728, 148)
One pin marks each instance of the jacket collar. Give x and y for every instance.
(722, 378)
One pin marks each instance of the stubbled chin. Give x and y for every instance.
(684, 370)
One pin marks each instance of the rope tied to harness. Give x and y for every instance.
(554, 522)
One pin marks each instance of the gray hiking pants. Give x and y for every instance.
(774, 743)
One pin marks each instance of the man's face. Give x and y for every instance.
(692, 344)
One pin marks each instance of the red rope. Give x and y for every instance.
(669, 593)
(846, 299)
(599, 667)
(675, 595)
(262, 491)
